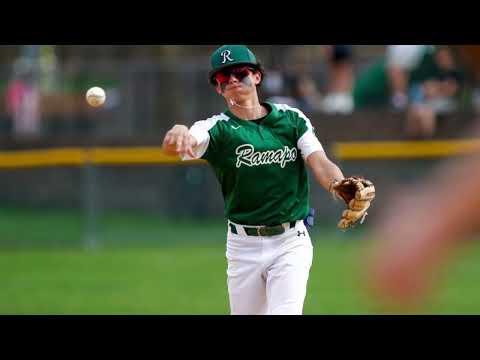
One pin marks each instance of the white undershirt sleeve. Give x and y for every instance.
(308, 144)
(203, 138)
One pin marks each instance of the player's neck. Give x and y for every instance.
(250, 109)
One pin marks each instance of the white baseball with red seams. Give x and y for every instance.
(96, 96)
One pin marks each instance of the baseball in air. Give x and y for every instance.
(96, 96)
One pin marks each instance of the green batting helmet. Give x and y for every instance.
(232, 55)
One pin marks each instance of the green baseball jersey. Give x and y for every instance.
(260, 165)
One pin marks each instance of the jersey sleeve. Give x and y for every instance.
(207, 135)
(200, 132)
(307, 141)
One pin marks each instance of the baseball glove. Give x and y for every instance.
(357, 193)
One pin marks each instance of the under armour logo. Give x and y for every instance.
(301, 233)
(226, 56)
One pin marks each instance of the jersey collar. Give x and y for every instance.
(272, 115)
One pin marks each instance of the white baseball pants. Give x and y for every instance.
(267, 275)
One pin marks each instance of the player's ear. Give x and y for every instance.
(257, 77)
(218, 89)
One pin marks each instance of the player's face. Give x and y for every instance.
(240, 80)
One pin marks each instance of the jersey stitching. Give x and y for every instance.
(285, 108)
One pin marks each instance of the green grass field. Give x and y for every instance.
(146, 266)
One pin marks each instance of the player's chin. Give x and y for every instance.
(237, 96)
(236, 90)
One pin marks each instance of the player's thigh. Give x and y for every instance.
(287, 278)
(246, 289)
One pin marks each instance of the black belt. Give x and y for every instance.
(262, 230)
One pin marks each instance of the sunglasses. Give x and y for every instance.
(239, 73)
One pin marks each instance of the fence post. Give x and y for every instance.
(90, 200)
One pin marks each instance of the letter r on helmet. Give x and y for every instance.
(226, 56)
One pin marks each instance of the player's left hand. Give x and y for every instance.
(357, 193)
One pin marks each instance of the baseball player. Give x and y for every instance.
(259, 152)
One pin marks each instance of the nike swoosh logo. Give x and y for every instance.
(235, 128)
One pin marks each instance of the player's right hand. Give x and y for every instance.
(179, 141)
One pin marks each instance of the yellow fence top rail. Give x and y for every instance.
(404, 149)
(76, 156)
(154, 155)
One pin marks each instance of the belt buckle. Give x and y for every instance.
(270, 230)
(259, 233)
